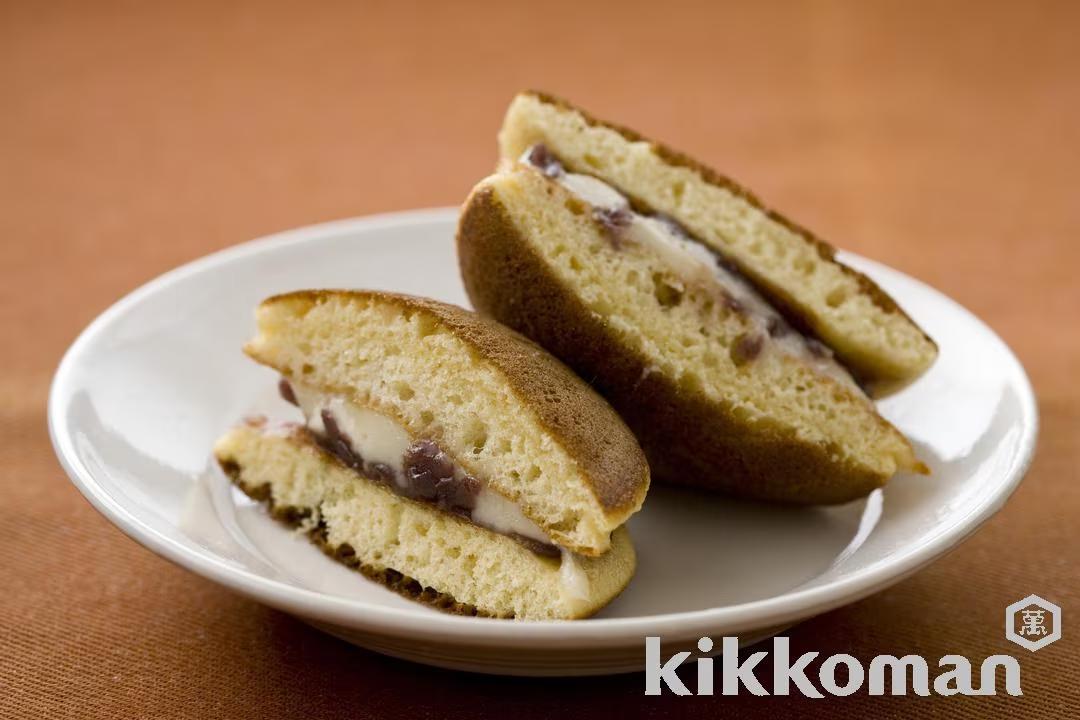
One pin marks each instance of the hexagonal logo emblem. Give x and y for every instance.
(1033, 623)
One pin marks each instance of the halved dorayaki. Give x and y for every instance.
(442, 454)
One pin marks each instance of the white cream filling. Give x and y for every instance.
(573, 580)
(381, 439)
(692, 262)
(374, 436)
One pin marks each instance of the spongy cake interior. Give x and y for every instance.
(402, 361)
(477, 567)
(846, 310)
(689, 336)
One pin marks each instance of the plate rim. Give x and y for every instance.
(790, 606)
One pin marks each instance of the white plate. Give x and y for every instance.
(142, 394)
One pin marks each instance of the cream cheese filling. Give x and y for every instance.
(693, 263)
(379, 438)
(573, 581)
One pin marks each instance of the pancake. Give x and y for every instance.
(797, 271)
(722, 391)
(417, 409)
(411, 547)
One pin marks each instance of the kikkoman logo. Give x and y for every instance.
(903, 673)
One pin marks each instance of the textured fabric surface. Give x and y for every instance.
(941, 139)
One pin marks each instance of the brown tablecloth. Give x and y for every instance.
(942, 139)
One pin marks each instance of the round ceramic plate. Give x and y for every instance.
(142, 394)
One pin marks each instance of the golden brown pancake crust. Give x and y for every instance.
(826, 251)
(607, 453)
(398, 582)
(688, 439)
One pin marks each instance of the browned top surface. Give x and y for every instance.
(939, 138)
(592, 434)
